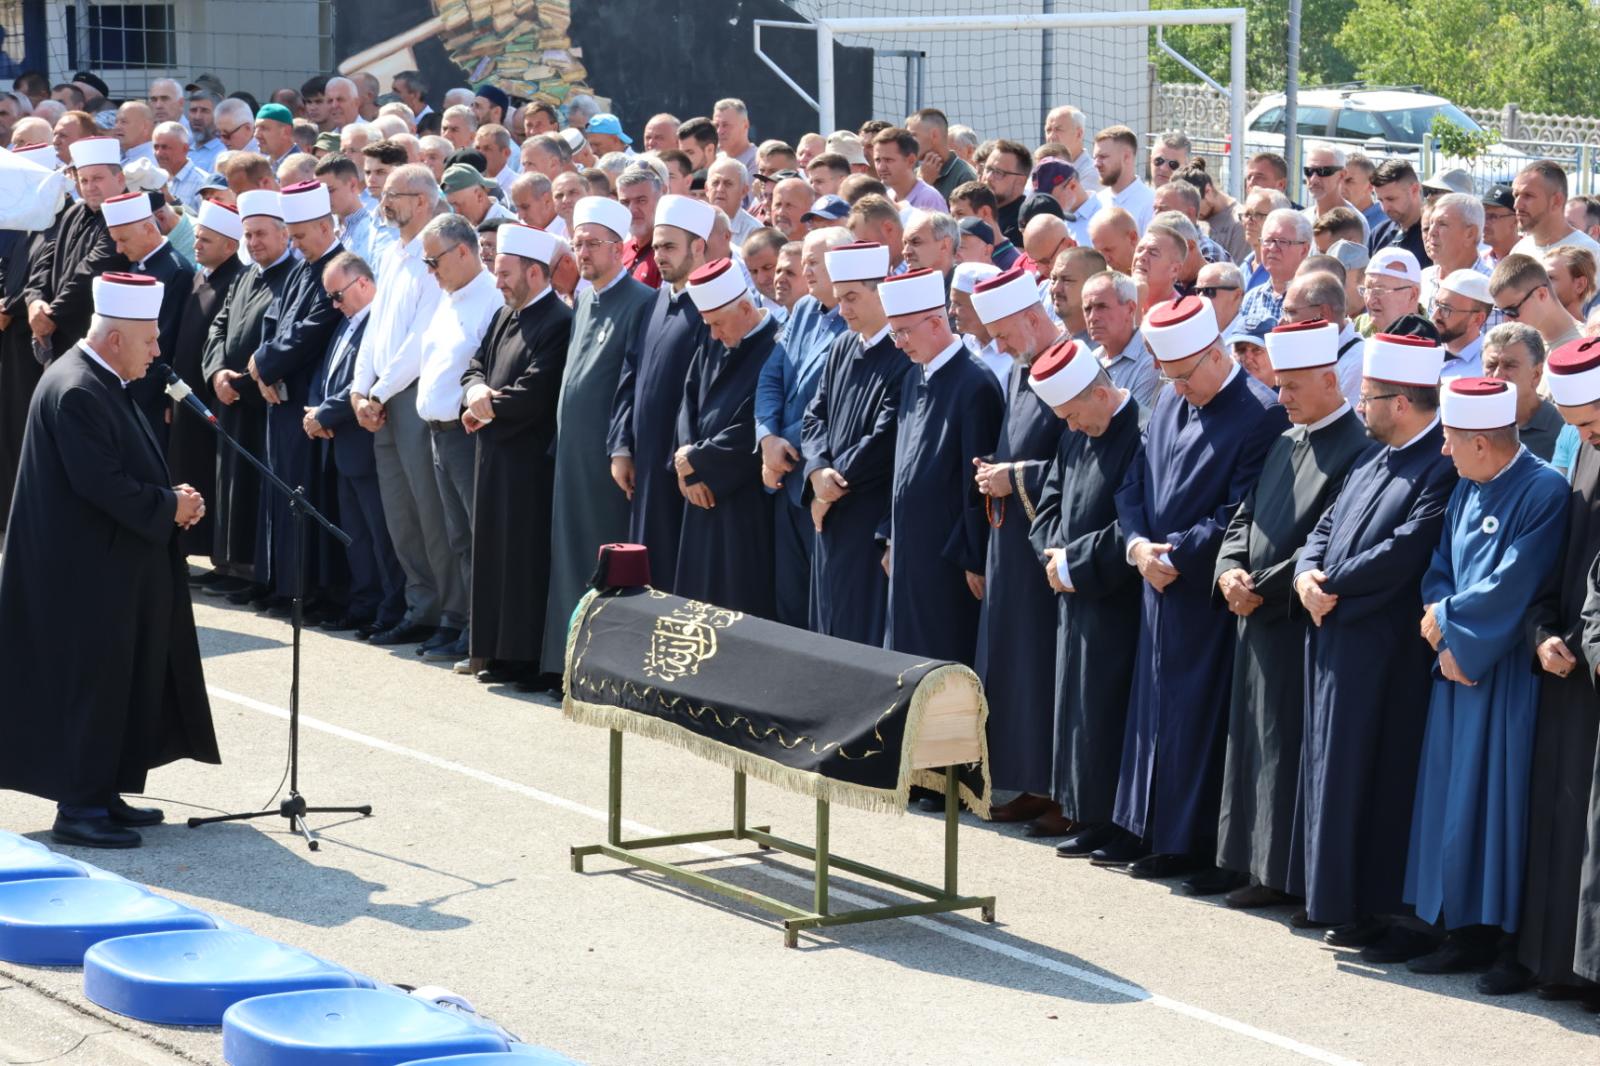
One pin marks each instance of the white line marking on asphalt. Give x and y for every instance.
(955, 932)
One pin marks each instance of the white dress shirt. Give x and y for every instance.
(1137, 198)
(391, 350)
(449, 342)
(341, 353)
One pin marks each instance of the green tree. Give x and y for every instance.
(1266, 27)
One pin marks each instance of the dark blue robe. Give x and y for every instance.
(1097, 623)
(936, 531)
(296, 331)
(1016, 622)
(1469, 829)
(177, 276)
(851, 425)
(1367, 679)
(644, 420)
(1198, 464)
(725, 551)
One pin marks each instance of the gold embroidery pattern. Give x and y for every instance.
(684, 639)
(1020, 480)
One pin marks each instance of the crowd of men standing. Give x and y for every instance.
(1271, 530)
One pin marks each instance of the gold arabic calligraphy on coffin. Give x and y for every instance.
(684, 639)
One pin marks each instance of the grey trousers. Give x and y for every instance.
(455, 459)
(403, 454)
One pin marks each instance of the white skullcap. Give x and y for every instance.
(602, 211)
(516, 239)
(1573, 372)
(1303, 345)
(716, 285)
(1178, 329)
(966, 276)
(96, 151)
(1468, 283)
(1478, 403)
(574, 138)
(305, 202)
(862, 261)
(687, 213)
(907, 294)
(1062, 371)
(1402, 360)
(133, 296)
(220, 219)
(260, 202)
(1395, 263)
(126, 208)
(1005, 294)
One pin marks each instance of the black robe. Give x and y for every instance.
(522, 355)
(1565, 737)
(1266, 714)
(725, 552)
(1586, 955)
(177, 278)
(850, 425)
(191, 443)
(296, 331)
(1016, 622)
(644, 423)
(1368, 679)
(1097, 624)
(102, 665)
(235, 334)
(1198, 465)
(19, 369)
(63, 275)
(937, 531)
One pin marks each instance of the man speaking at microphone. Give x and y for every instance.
(93, 534)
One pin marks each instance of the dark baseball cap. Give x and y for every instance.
(1051, 173)
(977, 227)
(776, 175)
(1500, 196)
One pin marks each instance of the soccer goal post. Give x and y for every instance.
(830, 30)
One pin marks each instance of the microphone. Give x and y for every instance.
(179, 390)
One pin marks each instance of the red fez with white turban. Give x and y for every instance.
(305, 201)
(1181, 328)
(602, 211)
(133, 296)
(96, 152)
(1403, 360)
(1303, 345)
(513, 238)
(1478, 403)
(260, 202)
(687, 213)
(907, 294)
(1573, 372)
(861, 261)
(1062, 371)
(221, 219)
(715, 285)
(1005, 294)
(127, 208)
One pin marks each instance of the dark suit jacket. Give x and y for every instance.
(330, 395)
(169, 268)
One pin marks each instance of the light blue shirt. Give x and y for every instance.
(1262, 305)
(363, 235)
(1566, 452)
(1133, 369)
(205, 155)
(789, 378)
(186, 185)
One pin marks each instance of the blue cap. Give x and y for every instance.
(607, 123)
(1254, 332)
(495, 95)
(832, 208)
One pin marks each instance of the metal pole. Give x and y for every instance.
(1047, 63)
(614, 792)
(81, 16)
(738, 804)
(1291, 91)
(826, 123)
(952, 825)
(819, 892)
(911, 82)
(1236, 91)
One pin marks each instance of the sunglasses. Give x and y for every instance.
(1166, 164)
(1320, 172)
(338, 296)
(1514, 312)
(1210, 291)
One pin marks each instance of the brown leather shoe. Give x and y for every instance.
(1253, 896)
(1025, 808)
(1050, 825)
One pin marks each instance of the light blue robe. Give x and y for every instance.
(1469, 827)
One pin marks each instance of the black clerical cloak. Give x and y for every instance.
(296, 331)
(1097, 624)
(191, 443)
(850, 425)
(19, 369)
(1564, 746)
(177, 279)
(1586, 955)
(236, 333)
(937, 532)
(725, 552)
(1199, 463)
(1016, 623)
(644, 423)
(102, 666)
(1303, 473)
(63, 275)
(522, 355)
(1368, 676)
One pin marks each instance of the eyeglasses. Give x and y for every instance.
(586, 245)
(1320, 172)
(1210, 291)
(1278, 243)
(990, 168)
(1369, 291)
(1182, 379)
(338, 295)
(1254, 216)
(1166, 164)
(1514, 312)
(225, 134)
(391, 194)
(1368, 401)
(1436, 306)
(432, 261)
(902, 334)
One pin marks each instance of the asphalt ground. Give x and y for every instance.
(461, 878)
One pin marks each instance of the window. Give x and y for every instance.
(125, 37)
(1313, 121)
(1269, 121)
(1360, 125)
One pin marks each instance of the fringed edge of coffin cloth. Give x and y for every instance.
(804, 782)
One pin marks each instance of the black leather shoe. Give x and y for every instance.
(1357, 934)
(400, 634)
(1300, 919)
(1212, 882)
(1152, 867)
(442, 637)
(371, 629)
(225, 586)
(446, 651)
(503, 674)
(93, 833)
(210, 577)
(122, 813)
(1254, 897)
(1086, 840)
(249, 594)
(344, 623)
(1462, 951)
(1506, 977)
(1399, 944)
(1125, 849)
(537, 682)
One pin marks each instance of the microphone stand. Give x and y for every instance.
(294, 807)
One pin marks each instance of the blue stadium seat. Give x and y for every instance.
(22, 859)
(52, 922)
(190, 977)
(519, 1055)
(372, 1027)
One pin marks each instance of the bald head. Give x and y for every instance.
(135, 123)
(30, 130)
(1115, 234)
(1044, 236)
